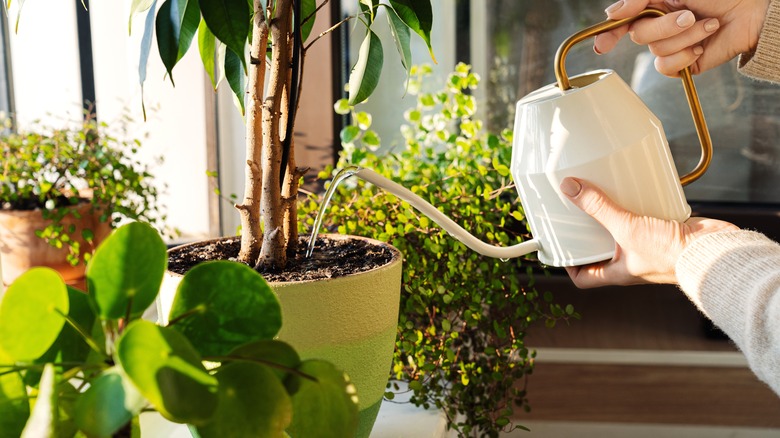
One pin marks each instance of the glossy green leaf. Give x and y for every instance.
(31, 314)
(44, 418)
(207, 46)
(126, 271)
(176, 24)
(136, 7)
(365, 74)
(269, 352)
(308, 8)
(14, 405)
(402, 38)
(418, 15)
(234, 73)
(229, 21)
(252, 402)
(327, 407)
(220, 305)
(168, 371)
(110, 403)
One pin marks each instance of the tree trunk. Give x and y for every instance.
(249, 209)
(273, 253)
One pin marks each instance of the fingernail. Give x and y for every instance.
(570, 187)
(614, 7)
(711, 25)
(698, 50)
(596, 49)
(686, 19)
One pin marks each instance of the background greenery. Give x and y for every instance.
(463, 316)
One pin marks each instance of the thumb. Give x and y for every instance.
(594, 202)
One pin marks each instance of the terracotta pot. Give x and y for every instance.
(349, 321)
(21, 249)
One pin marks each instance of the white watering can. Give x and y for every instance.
(591, 126)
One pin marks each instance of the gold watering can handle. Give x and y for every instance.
(685, 75)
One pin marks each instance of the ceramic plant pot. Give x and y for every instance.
(349, 321)
(21, 249)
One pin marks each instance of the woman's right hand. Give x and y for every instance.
(701, 34)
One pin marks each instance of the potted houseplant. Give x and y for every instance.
(61, 191)
(89, 365)
(464, 317)
(356, 314)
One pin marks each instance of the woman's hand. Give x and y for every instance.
(701, 34)
(646, 249)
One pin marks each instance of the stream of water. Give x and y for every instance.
(340, 176)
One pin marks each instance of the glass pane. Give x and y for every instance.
(743, 115)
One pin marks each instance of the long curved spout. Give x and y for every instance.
(446, 223)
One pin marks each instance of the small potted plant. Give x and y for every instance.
(61, 191)
(92, 365)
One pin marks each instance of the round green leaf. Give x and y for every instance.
(31, 314)
(220, 305)
(110, 402)
(127, 270)
(252, 402)
(326, 407)
(167, 370)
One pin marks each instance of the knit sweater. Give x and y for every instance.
(764, 62)
(734, 277)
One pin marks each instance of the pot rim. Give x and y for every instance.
(396, 259)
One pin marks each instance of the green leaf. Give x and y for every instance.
(308, 8)
(126, 271)
(269, 352)
(70, 348)
(14, 405)
(146, 48)
(342, 107)
(136, 7)
(207, 46)
(221, 305)
(365, 74)
(252, 402)
(418, 16)
(235, 77)
(229, 21)
(401, 37)
(31, 314)
(349, 133)
(177, 21)
(110, 403)
(167, 370)
(326, 407)
(43, 420)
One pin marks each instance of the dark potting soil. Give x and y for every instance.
(331, 258)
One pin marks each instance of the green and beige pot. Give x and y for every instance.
(350, 321)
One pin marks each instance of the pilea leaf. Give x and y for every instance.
(221, 305)
(31, 314)
(126, 271)
(167, 370)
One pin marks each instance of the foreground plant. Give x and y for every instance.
(88, 364)
(463, 316)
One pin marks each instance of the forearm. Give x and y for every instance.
(764, 61)
(734, 279)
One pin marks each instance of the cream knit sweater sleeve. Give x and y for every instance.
(734, 279)
(764, 63)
